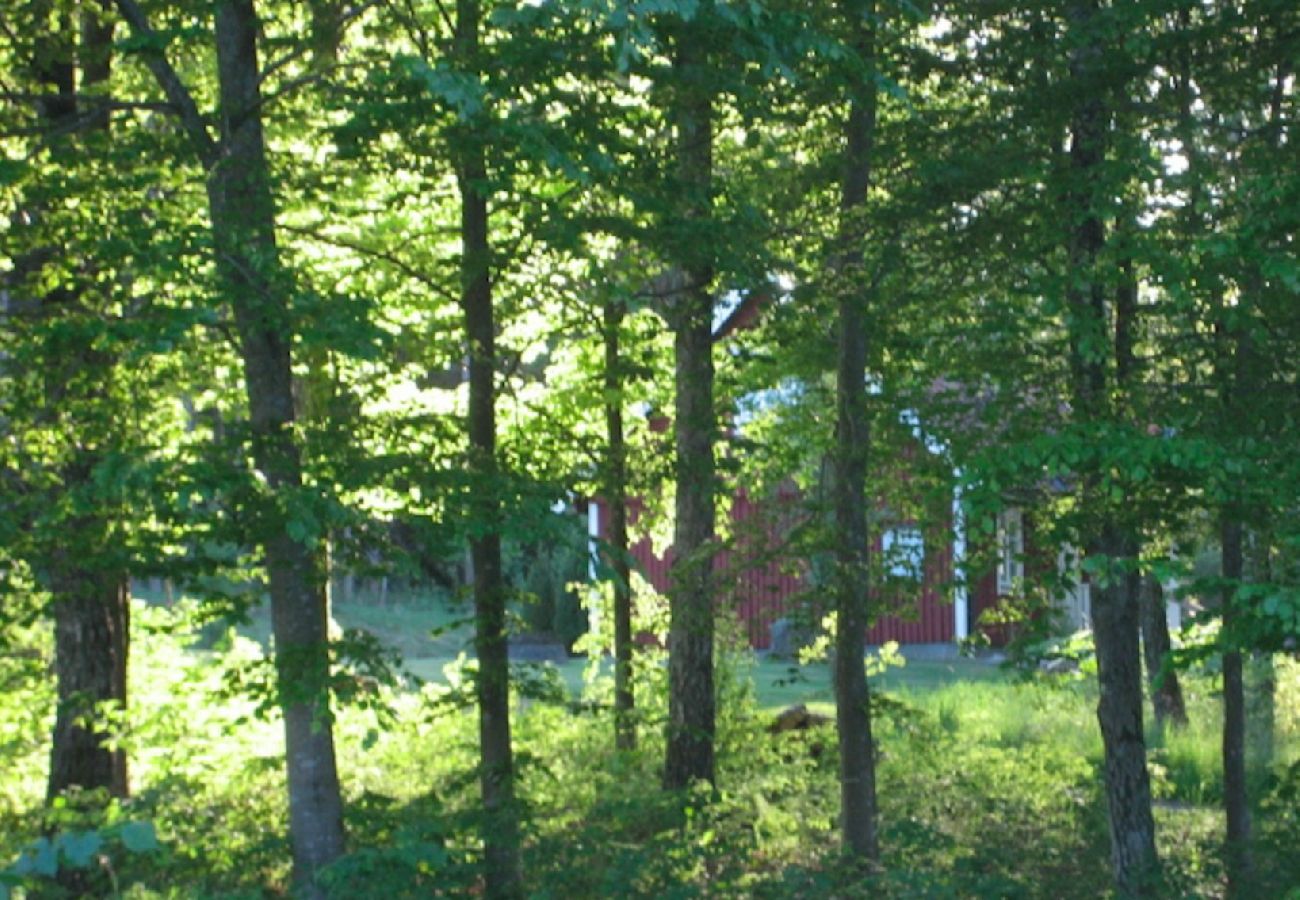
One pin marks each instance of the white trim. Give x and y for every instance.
(1077, 598)
(960, 600)
(593, 551)
(1011, 549)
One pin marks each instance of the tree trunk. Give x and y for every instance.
(90, 592)
(617, 543)
(1119, 712)
(496, 773)
(1115, 596)
(243, 228)
(1236, 803)
(858, 812)
(1166, 691)
(91, 626)
(690, 752)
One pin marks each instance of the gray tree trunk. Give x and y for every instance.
(1236, 802)
(496, 772)
(616, 540)
(858, 811)
(242, 211)
(90, 593)
(1115, 597)
(1119, 712)
(1162, 681)
(691, 714)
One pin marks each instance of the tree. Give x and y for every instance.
(1109, 540)
(852, 699)
(690, 751)
(616, 495)
(242, 212)
(490, 637)
(57, 301)
(1162, 678)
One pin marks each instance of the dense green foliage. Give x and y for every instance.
(330, 303)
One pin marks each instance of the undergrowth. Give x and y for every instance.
(986, 789)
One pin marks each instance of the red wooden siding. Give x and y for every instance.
(758, 584)
(929, 619)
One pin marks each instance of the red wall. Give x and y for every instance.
(758, 584)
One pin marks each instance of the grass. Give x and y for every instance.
(988, 786)
(781, 683)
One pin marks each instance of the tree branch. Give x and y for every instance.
(298, 52)
(98, 100)
(170, 82)
(400, 265)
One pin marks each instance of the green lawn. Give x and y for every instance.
(429, 634)
(781, 683)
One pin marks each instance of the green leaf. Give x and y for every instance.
(80, 847)
(39, 858)
(139, 837)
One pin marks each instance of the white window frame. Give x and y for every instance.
(908, 560)
(1011, 549)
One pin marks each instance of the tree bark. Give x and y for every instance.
(243, 227)
(496, 773)
(857, 771)
(1162, 681)
(616, 541)
(1115, 595)
(91, 625)
(1119, 712)
(1236, 803)
(691, 714)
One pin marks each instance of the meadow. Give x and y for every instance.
(990, 782)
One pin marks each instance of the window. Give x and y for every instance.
(1011, 550)
(903, 552)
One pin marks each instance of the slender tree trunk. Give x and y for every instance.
(496, 774)
(1166, 691)
(1236, 803)
(243, 227)
(619, 552)
(858, 811)
(1115, 597)
(690, 752)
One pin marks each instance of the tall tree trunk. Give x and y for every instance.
(690, 752)
(496, 774)
(1166, 693)
(1236, 803)
(242, 211)
(1115, 596)
(858, 812)
(616, 541)
(90, 596)
(1162, 680)
(243, 227)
